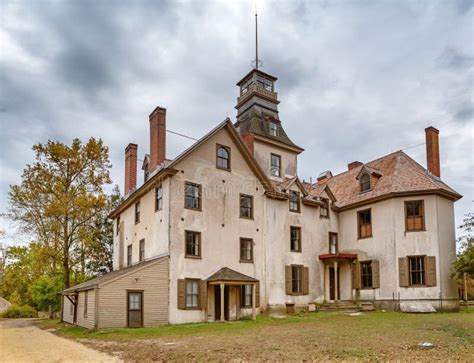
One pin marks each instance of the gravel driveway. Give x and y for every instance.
(22, 341)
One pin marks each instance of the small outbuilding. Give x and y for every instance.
(133, 296)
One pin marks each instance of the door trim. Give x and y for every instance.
(128, 307)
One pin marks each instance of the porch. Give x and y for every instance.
(338, 272)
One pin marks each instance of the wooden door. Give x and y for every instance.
(217, 303)
(332, 284)
(135, 309)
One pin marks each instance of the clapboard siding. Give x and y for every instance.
(86, 320)
(153, 280)
(68, 311)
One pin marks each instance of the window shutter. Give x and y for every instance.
(288, 280)
(203, 294)
(181, 294)
(305, 280)
(257, 294)
(430, 263)
(403, 271)
(375, 274)
(356, 275)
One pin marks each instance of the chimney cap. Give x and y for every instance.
(131, 146)
(157, 110)
(431, 128)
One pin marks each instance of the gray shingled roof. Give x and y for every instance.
(227, 274)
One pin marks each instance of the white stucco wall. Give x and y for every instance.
(262, 153)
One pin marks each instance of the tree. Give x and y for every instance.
(44, 293)
(59, 196)
(464, 264)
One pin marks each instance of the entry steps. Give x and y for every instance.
(344, 306)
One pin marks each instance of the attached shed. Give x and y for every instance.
(133, 296)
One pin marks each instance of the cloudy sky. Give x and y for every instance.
(357, 79)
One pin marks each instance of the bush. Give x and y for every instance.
(16, 311)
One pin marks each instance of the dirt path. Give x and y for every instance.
(22, 341)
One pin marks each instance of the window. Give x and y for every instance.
(192, 293)
(146, 174)
(324, 209)
(264, 83)
(86, 302)
(275, 165)
(365, 223)
(296, 279)
(223, 157)
(192, 199)
(129, 255)
(117, 230)
(366, 274)
(246, 294)
(294, 201)
(193, 244)
(333, 248)
(273, 129)
(141, 255)
(246, 250)
(137, 212)
(414, 213)
(295, 239)
(158, 198)
(246, 86)
(364, 183)
(246, 206)
(416, 267)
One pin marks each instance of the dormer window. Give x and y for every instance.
(365, 183)
(273, 129)
(146, 174)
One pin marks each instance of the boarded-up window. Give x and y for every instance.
(364, 218)
(193, 244)
(414, 214)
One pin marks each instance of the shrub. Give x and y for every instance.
(16, 311)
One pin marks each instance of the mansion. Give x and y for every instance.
(227, 230)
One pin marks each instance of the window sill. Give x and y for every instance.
(415, 230)
(196, 209)
(193, 257)
(323, 217)
(225, 169)
(248, 218)
(359, 238)
(417, 286)
(295, 211)
(192, 308)
(246, 261)
(299, 251)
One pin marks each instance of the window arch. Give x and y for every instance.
(365, 182)
(223, 157)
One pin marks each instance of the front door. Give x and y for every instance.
(217, 302)
(332, 284)
(135, 309)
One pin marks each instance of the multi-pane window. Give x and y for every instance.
(192, 293)
(158, 198)
(264, 83)
(246, 294)
(275, 165)
(295, 239)
(365, 182)
(414, 213)
(134, 301)
(273, 129)
(223, 157)
(246, 250)
(246, 206)
(192, 198)
(246, 85)
(296, 279)
(324, 209)
(193, 244)
(117, 229)
(141, 255)
(294, 201)
(86, 301)
(137, 212)
(365, 223)
(366, 274)
(416, 266)
(129, 255)
(333, 248)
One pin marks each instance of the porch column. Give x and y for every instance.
(254, 291)
(336, 295)
(351, 265)
(222, 302)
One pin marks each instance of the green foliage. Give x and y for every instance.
(464, 263)
(16, 311)
(44, 292)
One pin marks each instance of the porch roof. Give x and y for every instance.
(338, 256)
(226, 274)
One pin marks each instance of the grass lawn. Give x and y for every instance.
(321, 336)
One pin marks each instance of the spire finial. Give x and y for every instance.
(256, 63)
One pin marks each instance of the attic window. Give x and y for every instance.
(273, 129)
(365, 183)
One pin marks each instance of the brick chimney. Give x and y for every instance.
(353, 165)
(324, 177)
(157, 137)
(432, 150)
(130, 168)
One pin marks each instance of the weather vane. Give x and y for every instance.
(257, 62)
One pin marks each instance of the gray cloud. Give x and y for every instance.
(357, 79)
